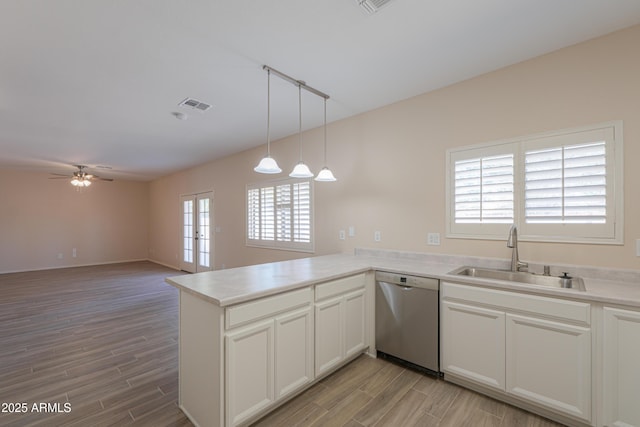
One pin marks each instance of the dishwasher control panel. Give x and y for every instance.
(406, 280)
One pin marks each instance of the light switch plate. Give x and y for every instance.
(352, 231)
(433, 239)
(341, 235)
(377, 236)
(637, 247)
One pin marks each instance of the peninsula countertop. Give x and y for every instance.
(242, 284)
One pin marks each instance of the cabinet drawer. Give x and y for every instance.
(542, 306)
(339, 286)
(241, 314)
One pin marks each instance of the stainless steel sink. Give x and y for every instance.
(521, 277)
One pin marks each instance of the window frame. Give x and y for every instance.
(610, 233)
(276, 243)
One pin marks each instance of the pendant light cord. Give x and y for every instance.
(300, 118)
(269, 113)
(325, 132)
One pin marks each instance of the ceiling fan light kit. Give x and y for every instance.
(81, 178)
(81, 182)
(268, 165)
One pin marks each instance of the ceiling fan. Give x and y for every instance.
(80, 178)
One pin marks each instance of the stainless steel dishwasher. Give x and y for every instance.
(407, 320)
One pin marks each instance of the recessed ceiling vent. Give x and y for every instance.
(195, 104)
(372, 6)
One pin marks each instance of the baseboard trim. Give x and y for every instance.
(58, 267)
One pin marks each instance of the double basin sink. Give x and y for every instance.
(565, 281)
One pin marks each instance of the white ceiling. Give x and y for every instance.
(96, 82)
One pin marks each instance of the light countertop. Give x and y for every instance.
(237, 285)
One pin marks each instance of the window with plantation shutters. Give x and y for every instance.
(560, 186)
(279, 215)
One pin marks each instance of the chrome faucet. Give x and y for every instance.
(512, 242)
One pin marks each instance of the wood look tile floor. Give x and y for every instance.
(375, 392)
(103, 340)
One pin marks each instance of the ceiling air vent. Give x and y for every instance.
(372, 6)
(195, 104)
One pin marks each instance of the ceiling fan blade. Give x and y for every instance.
(103, 179)
(60, 177)
(59, 174)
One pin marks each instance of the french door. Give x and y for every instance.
(197, 245)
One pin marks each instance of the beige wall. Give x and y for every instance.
(390, 161)
(41, 218)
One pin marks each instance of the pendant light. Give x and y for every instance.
(300, 170)
(325, 174)
(268, 163)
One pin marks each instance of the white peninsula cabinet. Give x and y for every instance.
(532, 350)
(268, 352)
(621, 367)
(341, 322)
(239, 361)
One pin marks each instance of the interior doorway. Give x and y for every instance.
(196, 234)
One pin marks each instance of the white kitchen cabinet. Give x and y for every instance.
(473, 343)
(267, 361)
(549, 363)
(250, 371)
(270, 355)
(532, 348)
(621, 367)
(329, 335)
(293, 351)
(354, 323)
(340, 322)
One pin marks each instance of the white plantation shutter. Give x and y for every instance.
(484, 190)
(283, 212)
(279, 215)
(267, 210)
(566, 184)
(573, 186)
(302, 212)
(253, 214)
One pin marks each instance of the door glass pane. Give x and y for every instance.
(204, 232)
(187, 230)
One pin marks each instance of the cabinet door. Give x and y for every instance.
(293, 351)
(329, 334)
(355, 322)
(621, 367)
(249, 360)
(473, 343)
(550, 363)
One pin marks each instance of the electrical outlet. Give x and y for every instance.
(341, 235)
(637, 247)
(433, 239)
(74, 253)
(377, 236)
